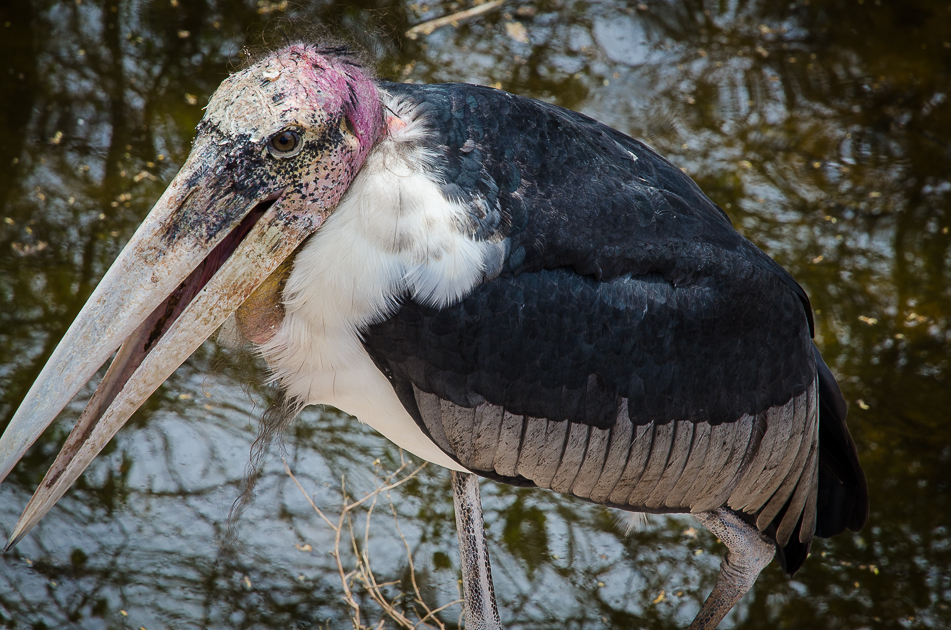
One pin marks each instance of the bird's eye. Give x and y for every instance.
(284, 143)
(346, 125)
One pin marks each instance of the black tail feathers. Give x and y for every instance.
(843, 491)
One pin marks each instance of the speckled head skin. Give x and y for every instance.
(327, 100)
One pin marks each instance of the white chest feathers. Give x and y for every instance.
(393, 234)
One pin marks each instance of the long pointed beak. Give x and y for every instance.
(195, 259)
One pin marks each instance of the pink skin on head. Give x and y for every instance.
(327, 83)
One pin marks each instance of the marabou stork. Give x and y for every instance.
(498, 285)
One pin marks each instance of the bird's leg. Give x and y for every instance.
(481, 612)
(748, 552)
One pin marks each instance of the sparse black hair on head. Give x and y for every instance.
(287, 32)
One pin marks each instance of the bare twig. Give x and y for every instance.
(412, 567)
(431, 613)
(426, 28)
(306, 496)
(362, 573)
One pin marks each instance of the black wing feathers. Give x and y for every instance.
(571, 192)
(570, 348)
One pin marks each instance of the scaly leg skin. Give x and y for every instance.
(481, 612)
(748, 552)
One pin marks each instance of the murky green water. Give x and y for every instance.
(823, 128)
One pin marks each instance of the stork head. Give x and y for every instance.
(295, 127)
(279, 145)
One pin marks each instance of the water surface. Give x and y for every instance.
(823, 128)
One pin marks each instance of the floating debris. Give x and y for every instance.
(28, 250)
(517, 31)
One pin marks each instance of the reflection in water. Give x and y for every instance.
(821, 127)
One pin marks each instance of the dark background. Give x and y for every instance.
(822, 127)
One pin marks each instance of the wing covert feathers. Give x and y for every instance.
(763, 465)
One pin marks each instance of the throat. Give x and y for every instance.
(260, 317)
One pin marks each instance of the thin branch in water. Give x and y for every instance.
(287, 469)
(426, 28)
(362, 572)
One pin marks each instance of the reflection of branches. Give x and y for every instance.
(363, 573)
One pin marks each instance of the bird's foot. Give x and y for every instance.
(748, 552)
